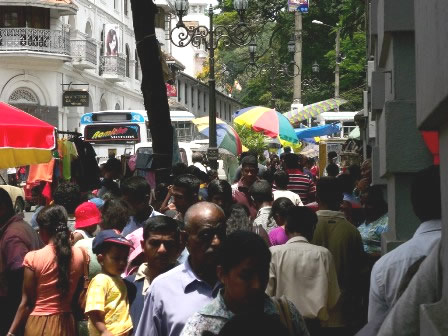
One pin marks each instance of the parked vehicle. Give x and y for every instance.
(17, 195)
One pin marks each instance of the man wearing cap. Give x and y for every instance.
(179, 293)
(107, 303)
(240, 190)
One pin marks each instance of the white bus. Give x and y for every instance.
(115, 133)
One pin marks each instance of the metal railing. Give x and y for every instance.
(113, 65)
(34, 39)
(83, 50)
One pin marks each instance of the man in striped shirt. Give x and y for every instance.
(299, 182)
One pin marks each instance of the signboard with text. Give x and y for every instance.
(298, 5)
(75, 98)
(112, 133)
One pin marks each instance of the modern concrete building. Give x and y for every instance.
(408, 93)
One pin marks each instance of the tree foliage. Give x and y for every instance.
(275, 26)
(254, 141)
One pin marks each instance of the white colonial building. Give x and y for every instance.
(48, 46)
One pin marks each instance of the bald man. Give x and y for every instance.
(179, 293)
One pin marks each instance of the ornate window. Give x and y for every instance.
(23, 95)
(117, 107)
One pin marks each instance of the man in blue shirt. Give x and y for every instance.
(179, 293)
(136, 191)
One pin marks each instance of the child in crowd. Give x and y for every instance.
(87, 218)
(107, 303)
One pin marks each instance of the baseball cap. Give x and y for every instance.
(87, 214)
(108, 236)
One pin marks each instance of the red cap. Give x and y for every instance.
(87, 214)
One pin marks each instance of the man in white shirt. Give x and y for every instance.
(197, 159)
(387, 274)
(303, 272)
(281, 180)
(261, 194)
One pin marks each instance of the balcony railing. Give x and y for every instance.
(34, 39)
(113, 67)
(83, 51)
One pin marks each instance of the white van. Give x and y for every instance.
(186, 150)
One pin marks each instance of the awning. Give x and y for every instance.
(311, 111)
(311, 132)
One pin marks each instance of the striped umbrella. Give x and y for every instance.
(267, 121)
(226, 136)
(311, 111)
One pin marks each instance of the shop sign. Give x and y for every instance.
(75, 98)
(112, 133)
(298, 5)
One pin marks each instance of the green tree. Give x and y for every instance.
(251, 139)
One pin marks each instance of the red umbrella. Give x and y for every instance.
(24, 139)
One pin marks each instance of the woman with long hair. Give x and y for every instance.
(50, 279)
(112, 43)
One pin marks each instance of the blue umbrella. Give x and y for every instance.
(311, 132)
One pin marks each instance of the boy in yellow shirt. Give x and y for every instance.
(107, 304)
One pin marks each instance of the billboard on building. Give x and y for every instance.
(112, 43)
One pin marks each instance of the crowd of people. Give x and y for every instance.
(281, 251)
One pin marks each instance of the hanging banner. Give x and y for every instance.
(298, 5)
(171, 90)
(112, 34)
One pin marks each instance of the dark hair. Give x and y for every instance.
(220, 187)
(261, 191)
(253, 324)
(110, 35)
(331, 155)
(287, 149)
(161, 191)
(249, 160)
(280, 207)
(6, 201)
(112, 165)
(136, 187)
(355, 171)
(375, 197)
(189, 182)
(268, 175)
(67, 195)
(161, 224)
(238, 218)
(329, 191)
(346, 183)
(212, 173)
(426, 194)
(241, 245)
(193, 170)
(53, 220)
(115, 214)
(179, 168)
(332, 170)
(281, 179)
(197, 157)
(301, 219)
(291, 161)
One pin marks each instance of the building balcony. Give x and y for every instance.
(39, 43)
(84, 54)
(113, 68)
(57, 7)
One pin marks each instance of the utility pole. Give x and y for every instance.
(338, 60)
(297, 98)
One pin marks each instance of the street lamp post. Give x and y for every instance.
(338, 55)
(209, 37)
(290, 70)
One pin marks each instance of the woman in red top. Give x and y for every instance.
(50, 279)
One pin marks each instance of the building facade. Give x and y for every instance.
(49, 47)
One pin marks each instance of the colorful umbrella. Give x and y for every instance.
(24, 139)
(313, 110)
(226, 136)
(267, 121)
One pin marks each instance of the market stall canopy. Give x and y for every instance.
(24, 139)
(311, 111)
(317, 131)
(310, 150)
(226, 136)
(267, 121)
